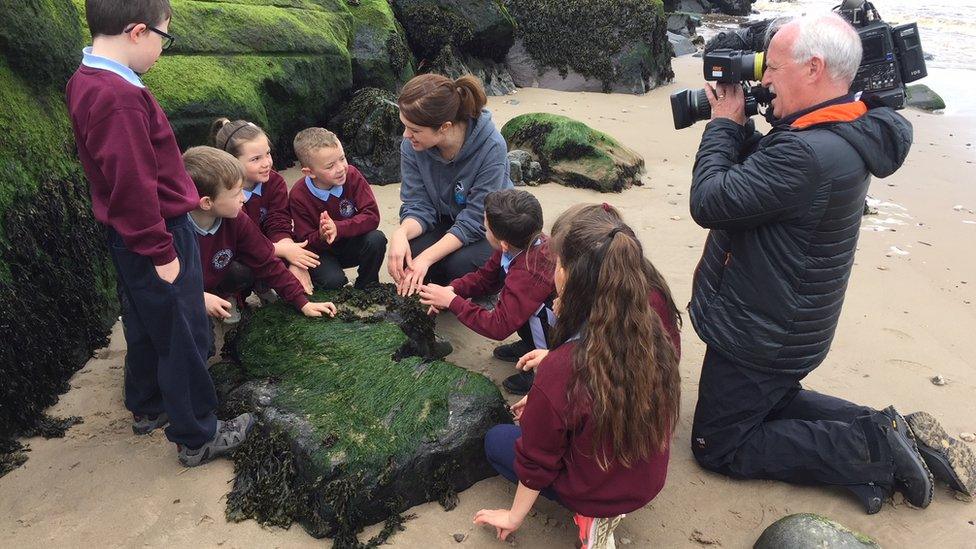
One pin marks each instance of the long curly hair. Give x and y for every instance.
(625, 370)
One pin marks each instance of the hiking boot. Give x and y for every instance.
(520, 383)
(229, 435)
(143, 425)
(912, 477)
(511, 352)
(950, 460)
(596, 533)
(871, 496)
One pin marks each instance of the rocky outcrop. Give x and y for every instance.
(728, 7)
(574, 154)
(57, 288)
(810, 531)
(371, 132)
(924, 98)
(590, 45)
(358, 420)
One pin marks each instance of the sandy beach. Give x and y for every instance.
(910, 314)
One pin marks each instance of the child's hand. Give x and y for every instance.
(518, 407)
(319, 309)
(437, 296)
(501, 519)
(327, 228)
(216, 307)
(434, 311)
(169, 271)
(531, 359)
(303, 276)
(296, 254)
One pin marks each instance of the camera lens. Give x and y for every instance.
(688, 107)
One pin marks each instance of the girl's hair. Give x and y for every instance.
(430, 100)
(612, 215)
(229, 136)
(625, 370)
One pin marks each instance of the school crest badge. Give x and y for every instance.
(222, 258)
(347, 208)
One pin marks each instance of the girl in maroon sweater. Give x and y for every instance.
(596, 426)
(265, 193)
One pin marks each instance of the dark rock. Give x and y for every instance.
(571, 153)
(924, 98)
(733, 7)
(459, 537)
(529, 170)
(751, 37)
(688, 6)
(370, 130)
(354, 426)
(810, 531)
(590, 45)
(683, 23)
(515, 173)
(495, 77)
(682, 45)
(477, 28)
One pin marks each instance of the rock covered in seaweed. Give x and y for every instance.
(574, 154)
(590, 45)
(354, 426)
(370, 130)
(810, 531)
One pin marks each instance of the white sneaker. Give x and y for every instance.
(597, 533)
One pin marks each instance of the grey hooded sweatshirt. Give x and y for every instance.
(435, 188)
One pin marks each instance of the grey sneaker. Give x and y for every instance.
(143, 425)
(229, 435)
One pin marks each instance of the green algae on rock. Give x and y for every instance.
(354, 426)
(574, 154)
(371, 132)
(812, 531)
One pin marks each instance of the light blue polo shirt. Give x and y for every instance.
(256, 190)
(323, 194)
(104, 63)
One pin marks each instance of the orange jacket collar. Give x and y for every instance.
(844, 112)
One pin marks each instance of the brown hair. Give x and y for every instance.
(111, 17)
(625, 371)
(310, 140)
(229, 136)
(430, 100)
(612, 214)
(515, 216)
(212, 169)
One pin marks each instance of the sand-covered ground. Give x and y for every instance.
(910, 315)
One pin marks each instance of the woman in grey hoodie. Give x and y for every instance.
(451, 157)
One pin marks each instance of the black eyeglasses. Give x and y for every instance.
(168, 39)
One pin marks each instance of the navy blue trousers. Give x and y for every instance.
(167, 337)
(500, 451)
(456, 264)
(366, 250)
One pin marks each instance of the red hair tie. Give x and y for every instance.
(606, 207)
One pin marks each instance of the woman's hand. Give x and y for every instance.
(296, 254)
(437, 296)
(501, 519)
(531, 359)
(398, 255)
(216, 307)
(519, 407)
(413, 277)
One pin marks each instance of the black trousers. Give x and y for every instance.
(752, 424)
(366, 250)
(167, 337)
(456, 264)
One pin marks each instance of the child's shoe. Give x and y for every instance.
(512, 352)
(143, 425)
(229, 435)
(520, 383)
(597, 533)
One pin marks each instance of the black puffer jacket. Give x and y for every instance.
(784, 220)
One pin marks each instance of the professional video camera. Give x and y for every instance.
(892, 58)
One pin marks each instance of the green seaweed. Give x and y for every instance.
(41, 40)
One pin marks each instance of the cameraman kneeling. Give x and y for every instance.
(784, 212)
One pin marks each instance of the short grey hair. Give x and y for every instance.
(827, 36)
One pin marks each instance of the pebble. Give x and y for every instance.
(675, 218)
(938, 380)
(459, 537)
(968, 437)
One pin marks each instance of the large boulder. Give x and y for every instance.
(924, 98)
(750, 36)
(371, 132)
(57, 287)
(728, 7)
(358, 418)
(590, 45)
(810, 531)
(574, 154)
(282, 64)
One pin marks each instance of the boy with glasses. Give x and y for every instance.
(141, 194)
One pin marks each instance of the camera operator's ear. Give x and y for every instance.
(816, 68)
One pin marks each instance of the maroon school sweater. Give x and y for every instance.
(551, 452)
(239, 238)
(130, 156)
(269, 210)
(527, 285)
(354, 213)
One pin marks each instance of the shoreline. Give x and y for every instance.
(906, 318)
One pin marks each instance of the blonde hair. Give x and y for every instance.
(310, 140)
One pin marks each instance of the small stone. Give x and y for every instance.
(675, 218)
(938, 380)
(882, 268)
(968, 437)
(958, 207)
(625, 541)
(175, 501)
(513, 101)
(460, 537)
